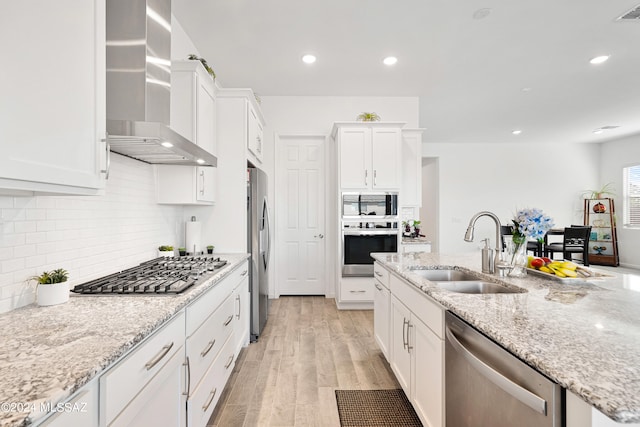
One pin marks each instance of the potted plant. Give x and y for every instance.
(210, 249)
(165, 250)
(600, 193)
(368, 117)
(52, 289)
(182, 251)
(416, 227)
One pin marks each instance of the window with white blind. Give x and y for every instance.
(632, 196)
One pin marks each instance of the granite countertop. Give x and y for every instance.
(47, 353)
(583, 335)
(415, 240)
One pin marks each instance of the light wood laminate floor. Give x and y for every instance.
(308, 349)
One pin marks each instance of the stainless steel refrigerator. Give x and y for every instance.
(259, 246)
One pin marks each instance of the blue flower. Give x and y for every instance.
(530, 224)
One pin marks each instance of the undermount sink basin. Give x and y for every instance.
(477, 287)
(444, 275)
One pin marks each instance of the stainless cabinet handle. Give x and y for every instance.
(212, 394)
(208, 348)
(378, 273)
(378, 287)
(244, 273)
(239, 307)
(229, 362)
(153, 362)
(203, 182)
(107, 166)
(375, 175)
(366, 173)
(229, 319)
(188, 365)
(409, 346)
(358, 292)
(404, 339)
(533, 401)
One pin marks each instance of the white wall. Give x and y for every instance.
(90, 236)
(615, 156)
(429, 211)
(503, 178)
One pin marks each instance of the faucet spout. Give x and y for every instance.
(468, 236)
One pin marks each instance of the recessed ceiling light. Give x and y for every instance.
(200, 161)
(599, 59)
(516, 132)
(308, 59)
(167, 144)
(526, 89)
(390, 60)
(604, 128)
(481, 13)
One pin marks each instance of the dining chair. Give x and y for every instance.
(575, 240)
(507, 230)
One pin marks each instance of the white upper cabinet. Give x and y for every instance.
(193, 115)
(242, 122)
(53, 103)
(369, 155)
(411, 167)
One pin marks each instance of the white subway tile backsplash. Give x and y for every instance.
(90, 236)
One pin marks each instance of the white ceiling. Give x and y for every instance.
(469, 73)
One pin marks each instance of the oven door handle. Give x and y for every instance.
(370, 233)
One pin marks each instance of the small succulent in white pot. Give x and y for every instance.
(165, 250)
(52, 288)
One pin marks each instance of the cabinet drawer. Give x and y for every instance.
(381, 274)
(239, 274)
(427, 310)
(199, 310)
(208, 339)
(357, 290)
(205, 397)
(120, 384)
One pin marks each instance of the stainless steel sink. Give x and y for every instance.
(444, 275)
(478, 287)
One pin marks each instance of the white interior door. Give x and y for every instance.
(300, 220)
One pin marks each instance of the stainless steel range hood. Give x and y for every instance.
(139, 85)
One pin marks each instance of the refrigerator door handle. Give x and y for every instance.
(266, 220)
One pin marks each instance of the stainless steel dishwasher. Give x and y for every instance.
(488, 386)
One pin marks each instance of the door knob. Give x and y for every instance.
(320, 236)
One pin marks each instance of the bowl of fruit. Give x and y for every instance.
(561, 270)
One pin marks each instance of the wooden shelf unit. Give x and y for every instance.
(603, 243)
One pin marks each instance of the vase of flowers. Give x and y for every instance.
(528, 224)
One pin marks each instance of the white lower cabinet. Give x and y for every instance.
(81, 410)
(417, 350)
(381, 309)
(149, 377)
(242, 311)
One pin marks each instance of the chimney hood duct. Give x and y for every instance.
(139, 86)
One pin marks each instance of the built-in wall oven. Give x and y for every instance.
(369, 224)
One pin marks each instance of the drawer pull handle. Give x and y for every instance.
(378, 287)
(188, 365)
(229, 362)
(208, 402)
(208, 349)
(153, 362)
(378, 273)
(358, 292)
(244, 273)
(229, 319)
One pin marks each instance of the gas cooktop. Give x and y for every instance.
(160, 276)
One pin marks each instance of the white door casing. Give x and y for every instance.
(300, 222)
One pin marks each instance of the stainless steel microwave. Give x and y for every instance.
(379, 205)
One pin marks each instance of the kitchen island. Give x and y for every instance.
(47, 353)
(583, 335)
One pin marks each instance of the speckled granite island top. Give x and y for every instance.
(585, 336)
(47, 353)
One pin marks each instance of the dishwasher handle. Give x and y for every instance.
(532, 400)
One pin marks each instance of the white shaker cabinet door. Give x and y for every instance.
(386, 162)
(355, 158)
(52, 108)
